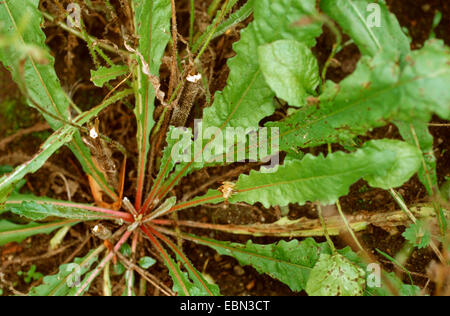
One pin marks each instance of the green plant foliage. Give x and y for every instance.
(387, 36)
(103, 74)
(21, 20)
(31, 274)
(182, 283)
(240, 15)
(290, 69)
(39, 211)
(378, 91)
(275, 20)
(152, 22)
(425, 142)
(50, 146)
(125, 250)
(118, 268)
(290, 262)
(246, 88)
(383, 163)
(67, 278)
(403, 289)
(146, 262)
(201, 285)
(129, 281)
(274, 59)
(177, 141)
(300, 265)
(359, 22)
(403, 167)
(10, 232)
(335, 275)
(53, 143)
(214, 29)
(418, 234)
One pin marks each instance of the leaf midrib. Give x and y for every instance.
(244, 251)
(360, 100)
(31, 59)
(369, 30)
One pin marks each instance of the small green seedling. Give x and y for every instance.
(31, 275)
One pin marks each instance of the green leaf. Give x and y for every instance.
(379, 91)
(182, 283)
(152, 23)
(234, 18)
(396, 282)
(32, 275)
(290, 262)
(164, 207)
(358, 19)
(68, 276)
(146, 262)
(418, 234)
(383, 163)
(52, 144)
(290, 69)
(125, 250)
(406, 163)
(5, 169)
(293, 263)
(247, 98)
(118, 268)
(425, 140)
(10, 232)
(103, 74)
(201, 284)
(275, 20)
(37, 211)
(417, 134)
(178, 139)
(22, 20)
(246, 89)
(335, 275)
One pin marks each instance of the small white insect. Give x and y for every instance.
(93, 133)
(194, 78)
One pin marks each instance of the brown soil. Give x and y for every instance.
(417, 16)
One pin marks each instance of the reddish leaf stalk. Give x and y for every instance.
(149, 200)
(164, 254)
(102, 264)
(190, 204)
(182, 256)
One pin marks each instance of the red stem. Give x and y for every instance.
(164, 254)
(102, 264)
(182, 256)
(149, 199)
(190, 203)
